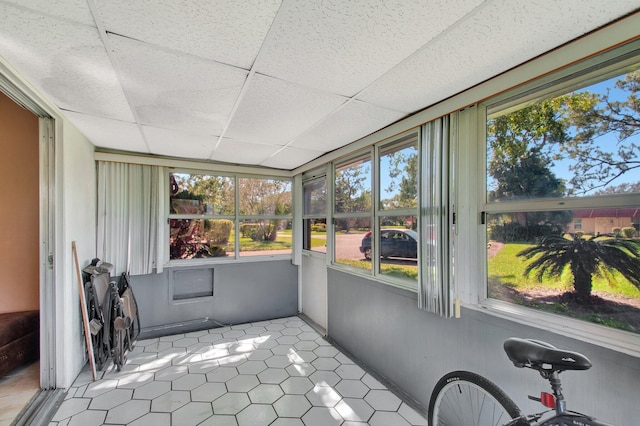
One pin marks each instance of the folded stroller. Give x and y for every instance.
(113, 314)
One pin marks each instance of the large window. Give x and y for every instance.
(563, 198)
(352, 211)
(265, 216)
(213, 216)
(315, 215)
(397, 236)
(376, 211)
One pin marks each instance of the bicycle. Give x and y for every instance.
(463, 398)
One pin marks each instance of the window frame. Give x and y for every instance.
(381, 149)
(610, 63)
(310, 216)
(237, 219)
(375, 212)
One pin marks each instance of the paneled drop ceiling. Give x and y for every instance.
(269, 82)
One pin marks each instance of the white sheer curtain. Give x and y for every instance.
(128, 210)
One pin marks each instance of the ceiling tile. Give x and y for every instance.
(238, 152)
(73, 10)
(229, 32)
(178, 143)
(177, 91)
(467, 54)
(274, 112)
(66, 61)
(352, 122)
(107, 133)
(341, 47)
(289, 158)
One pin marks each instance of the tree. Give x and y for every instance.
(586, 257)
(600, 161)
(521, 146)
(260, 197)
(351, 191)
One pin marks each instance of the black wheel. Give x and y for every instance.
(367, 253)
(462, 398)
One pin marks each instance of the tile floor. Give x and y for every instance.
(279, 372)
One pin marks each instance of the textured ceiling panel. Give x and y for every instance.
(227, 31)
(341, 47)
(178, 143)
(66, 61)
(238, 152)
(291, 157)
(107, 133)
(274, 111)
(73, 10)
(175, 91)
(468, 53)
(277, 82)
(353, 121)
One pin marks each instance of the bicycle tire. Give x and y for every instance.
(462, 398)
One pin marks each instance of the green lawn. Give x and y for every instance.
(507, 282)
(508, 269)
(406, 272)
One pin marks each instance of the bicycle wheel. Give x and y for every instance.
(462, 398)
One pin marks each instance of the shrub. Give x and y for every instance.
(219, 231)
(628, 231)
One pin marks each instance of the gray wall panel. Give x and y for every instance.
(382, 326)
(242, 292)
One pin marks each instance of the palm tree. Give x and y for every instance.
(586, 257)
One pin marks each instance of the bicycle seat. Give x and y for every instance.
(543, 356)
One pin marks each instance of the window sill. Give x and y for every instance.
(365, 273)
(618, 340)
(225, 260)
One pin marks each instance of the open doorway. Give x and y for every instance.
(20, 248)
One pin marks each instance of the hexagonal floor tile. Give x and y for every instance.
(230, 403)
(325, 378)
(222, 374)
(88, 418)
(386, 418)
(322, 416)
(383, 400)
(172, 373)
(170, 401)
(128, 412)
(323, 396)
(152, 390)
(242, 383)
(352, 389)
(252, 367)
(111, 399)
(265, 394)
(301, 370)
(325, 363)
(208, 392)
(153, 419)
(350, 371)
(256, 415)
(287, 422)
(353, 409)
(191, 414)
(292, 406)
(273, 376)
(278, 361)
(297, 385)
(188, 382)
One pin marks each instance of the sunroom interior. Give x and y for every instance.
(386, 171)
